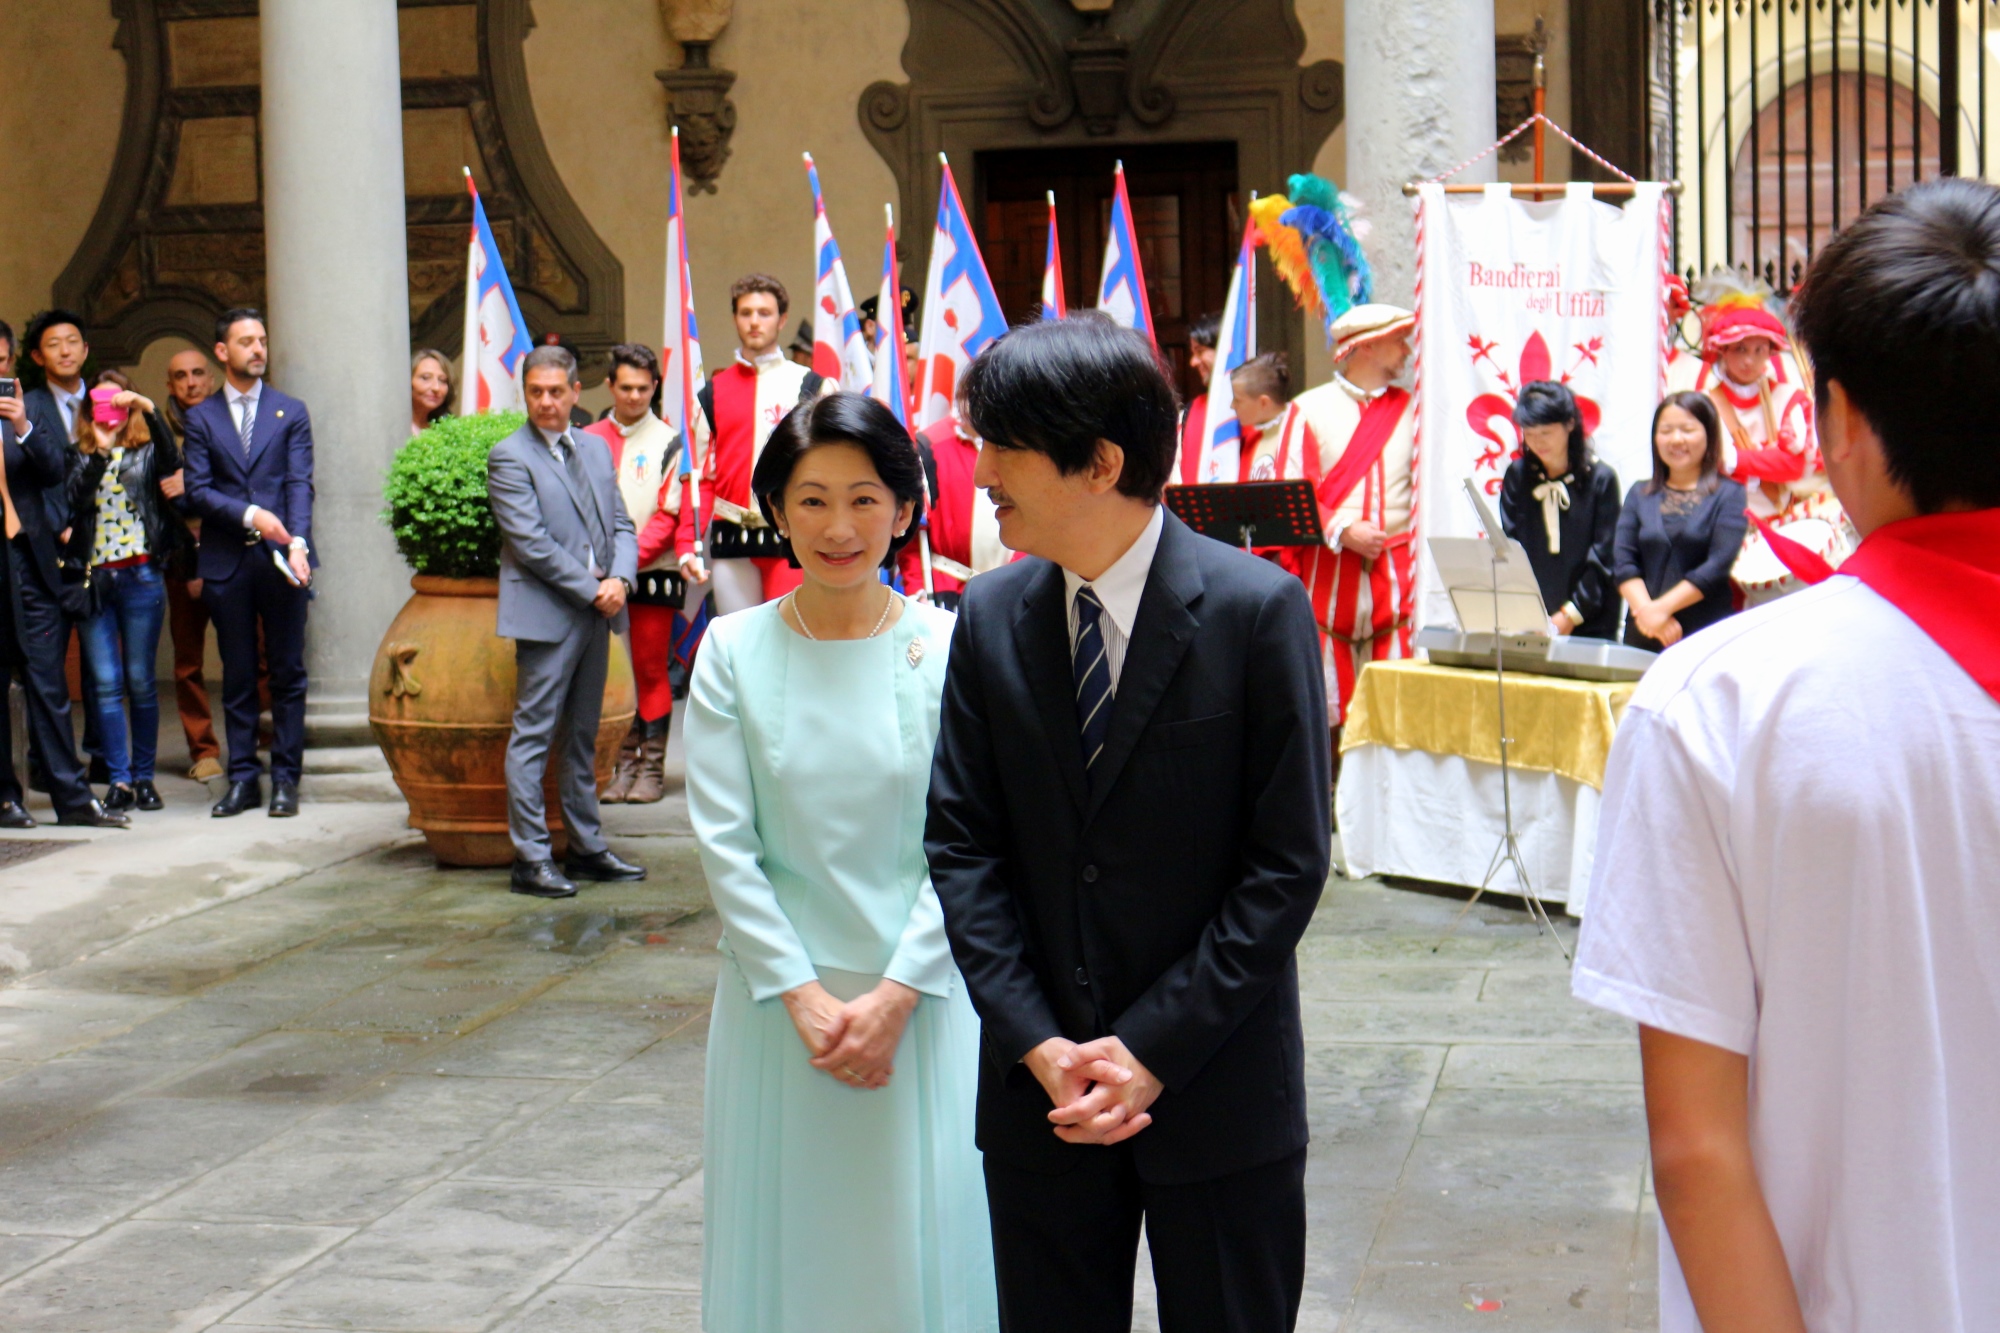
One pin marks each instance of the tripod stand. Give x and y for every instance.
(1508, 852)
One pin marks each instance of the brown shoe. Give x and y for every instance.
(627, 771)
(206, 769)
(651, 784)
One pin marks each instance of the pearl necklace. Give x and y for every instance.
(800, 616)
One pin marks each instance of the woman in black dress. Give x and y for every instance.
(1561, 504)
(1681, 530)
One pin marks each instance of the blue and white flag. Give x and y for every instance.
(1121, 293)
(496, 337)
(1054, 306)
(1235, 343)
(840, 353)
(961, 312)
(890, 386)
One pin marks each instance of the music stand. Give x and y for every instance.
(1513, 617)
(1251, 513)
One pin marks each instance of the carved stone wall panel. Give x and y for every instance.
(1004, 74)
(179, 231)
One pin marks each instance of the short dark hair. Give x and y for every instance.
(1698, 406)
(1268, 374)
(1549, 403)
(233, 316)
(31, 340)
(550, 354)
(638, 356)
(1204, 331)
(841, 418)
(1059, 386)
(1909, 294)
(759, 282)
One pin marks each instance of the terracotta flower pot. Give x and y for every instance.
(441, 702)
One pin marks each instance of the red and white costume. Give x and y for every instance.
(1364, 607)
(646, 457)
(964, 529)
(745, 401)
(1187, 464)
(1770, 445)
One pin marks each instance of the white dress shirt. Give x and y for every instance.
(1119, 588)
(235, 398)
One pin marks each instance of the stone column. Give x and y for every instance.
(1420, 100)
(337, 267)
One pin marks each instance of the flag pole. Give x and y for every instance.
(468, 375)
(691, 490)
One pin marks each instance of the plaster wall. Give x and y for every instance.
(800, 71)
(62, 93)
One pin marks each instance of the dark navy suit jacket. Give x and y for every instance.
(222, 483)
(1161, 897)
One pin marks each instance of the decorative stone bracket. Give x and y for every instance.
(698, 105)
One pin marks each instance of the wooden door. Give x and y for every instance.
(1185, 210)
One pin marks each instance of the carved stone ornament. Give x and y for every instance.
(178, 236)
(698, 105)
(696, 20)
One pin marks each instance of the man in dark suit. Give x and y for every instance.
(34, 633)
(249, 479)
(568, 559)
(1129, 832)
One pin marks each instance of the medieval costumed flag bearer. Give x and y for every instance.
(1354, 439)
(742, 403)
(646, 454)
(1764, 400)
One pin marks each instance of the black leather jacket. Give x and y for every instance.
(142, 468)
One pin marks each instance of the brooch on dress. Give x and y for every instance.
(916, 653)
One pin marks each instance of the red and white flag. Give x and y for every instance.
(680, 354)
(1121, 293)
(496, 337)
(1054, 306)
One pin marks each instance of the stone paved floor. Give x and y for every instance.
(383, 1097)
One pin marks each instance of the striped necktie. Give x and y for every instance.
(1092, 664)
(249, 423)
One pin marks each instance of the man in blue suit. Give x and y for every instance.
(250, 480)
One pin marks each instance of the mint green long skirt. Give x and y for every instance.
(833, 1210)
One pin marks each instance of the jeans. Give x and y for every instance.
(120, 644)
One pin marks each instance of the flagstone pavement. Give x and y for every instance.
(380, 1096)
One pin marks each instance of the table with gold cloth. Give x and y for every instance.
(1420, 775)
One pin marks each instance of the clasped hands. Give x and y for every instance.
(1100, 1090)
(1657, 624)
(855, 1043)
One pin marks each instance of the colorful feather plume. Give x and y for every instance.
(1324, 216)
(1288, 250)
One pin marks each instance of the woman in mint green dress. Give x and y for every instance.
(843, 1192)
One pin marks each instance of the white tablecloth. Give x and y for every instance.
(1438, 817)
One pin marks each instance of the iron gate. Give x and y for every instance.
(1786, 118)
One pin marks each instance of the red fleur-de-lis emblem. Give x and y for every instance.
(1503, 441)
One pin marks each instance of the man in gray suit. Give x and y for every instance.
(568, 560)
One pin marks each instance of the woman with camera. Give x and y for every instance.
(121, 532)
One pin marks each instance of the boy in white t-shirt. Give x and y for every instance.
(1797, 888)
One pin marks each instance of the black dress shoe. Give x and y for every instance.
(540, 879)
(284, 799)
(605, 867)
(147, 795)
(241, 796)
(120, 798)
(13, 815)
(93, 815)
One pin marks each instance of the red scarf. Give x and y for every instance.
(1942, 571)
(1806, 565)
(1371, 436)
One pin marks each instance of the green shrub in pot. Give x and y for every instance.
(436, 494)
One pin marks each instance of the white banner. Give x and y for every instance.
(1510, 291)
